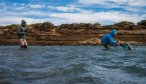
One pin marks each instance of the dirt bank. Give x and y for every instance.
(69, 36)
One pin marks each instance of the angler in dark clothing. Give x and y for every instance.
(22, 34)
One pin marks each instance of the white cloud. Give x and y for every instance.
(14, 6)
(7, 20)
(69, 8)
(20, 8)
(14, 13)
(3, 7)
(90, 17)
(130, 5)
(62, 8)
(11, 20)
(36, 6)
(139, 3)
(102, 2)
(72, 13)
(27, 13)
(97, 17)
(51, 7)
(128, 2)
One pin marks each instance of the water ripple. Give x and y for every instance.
(72, 65)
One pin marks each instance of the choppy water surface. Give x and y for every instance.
(72, 65)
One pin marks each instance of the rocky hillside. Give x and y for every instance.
(71, 34)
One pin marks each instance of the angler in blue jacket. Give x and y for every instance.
(108, 39)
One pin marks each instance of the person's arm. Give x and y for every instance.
(20, 31)
(26, 32)
(112, 41)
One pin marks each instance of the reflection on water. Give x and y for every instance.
(72, 65)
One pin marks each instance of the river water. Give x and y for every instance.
(72, 65)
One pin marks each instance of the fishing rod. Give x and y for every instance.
(38, 16)
(35, 18)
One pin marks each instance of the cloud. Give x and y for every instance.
(67, 9)
(13, 6)
(97, 17)
(12, 20)
(130, 5)
(20, 8)
(13, 13)
(119, 2)
(36, 6)
(3, 7)
(105, 18)
(7, 20)
(70, 8)
(27, 13)
(140, 3)
(102, 2)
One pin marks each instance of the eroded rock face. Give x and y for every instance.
(70, 36)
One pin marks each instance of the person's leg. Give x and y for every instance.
(106, 46)
(21, 43)
(25, 43)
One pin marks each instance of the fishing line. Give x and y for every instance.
(38, 16)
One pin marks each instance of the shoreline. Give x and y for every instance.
(80, 35)
(62, 45)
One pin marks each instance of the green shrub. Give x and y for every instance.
(124, 25)
(47, 26)
(142, 23)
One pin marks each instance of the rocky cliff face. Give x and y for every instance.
(70, 36)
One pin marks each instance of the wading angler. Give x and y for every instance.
(22, 34)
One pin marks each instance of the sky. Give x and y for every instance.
(106, 12)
